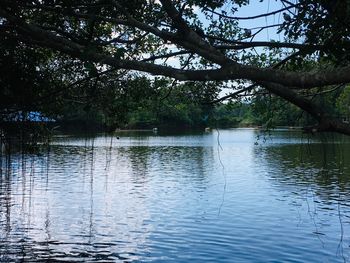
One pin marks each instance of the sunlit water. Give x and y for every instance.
(211, 197)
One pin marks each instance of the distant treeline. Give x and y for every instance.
(189, 106)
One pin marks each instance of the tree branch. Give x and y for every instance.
(243, 45)
(199, 46)
(231, 71)
(326, 123)
(252, 17)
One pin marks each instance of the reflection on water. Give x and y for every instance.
(179, 198)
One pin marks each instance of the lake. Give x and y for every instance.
(224, 196)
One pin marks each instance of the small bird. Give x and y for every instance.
(286, 17)
(247, 32)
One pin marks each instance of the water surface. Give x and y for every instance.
(223, 196)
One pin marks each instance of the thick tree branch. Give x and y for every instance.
(230, 71)
(168, 55)
(251, 87)
(201, 47)
(326, 123)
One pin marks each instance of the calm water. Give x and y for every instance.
(211, 197)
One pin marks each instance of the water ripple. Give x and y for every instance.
(151, 198)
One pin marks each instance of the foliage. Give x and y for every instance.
(343, 103)
(80, 61)
(323, 22)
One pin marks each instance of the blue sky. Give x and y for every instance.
(255, 8)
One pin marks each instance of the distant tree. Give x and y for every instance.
(343, 103)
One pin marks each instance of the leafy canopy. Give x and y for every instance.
(183, 40)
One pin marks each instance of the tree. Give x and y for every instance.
(205, 39)
(343, 103)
